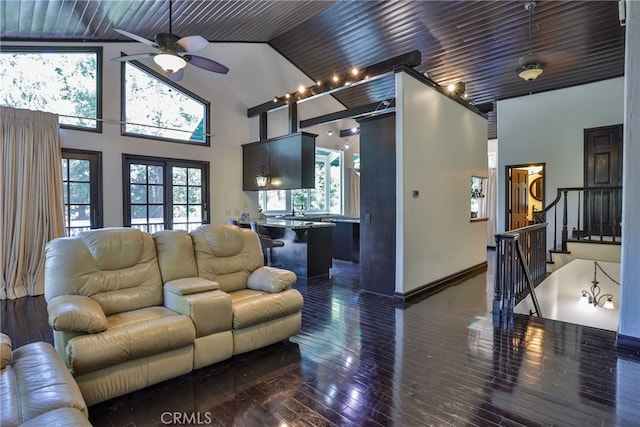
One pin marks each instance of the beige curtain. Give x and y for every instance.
(32, 205)
(354, 194)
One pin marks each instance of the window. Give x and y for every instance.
(325, 197)
(67, 82)
(165, 193)
(155, 107)
(82, 182)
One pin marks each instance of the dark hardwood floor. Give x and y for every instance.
(361, 361)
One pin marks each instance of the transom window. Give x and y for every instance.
(155, 107)
(61, 80)
(165, 193)
(82, 183)
(325, 197)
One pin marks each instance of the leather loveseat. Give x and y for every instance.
(130, 309)
(36, 388)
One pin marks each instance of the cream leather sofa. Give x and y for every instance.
(129, 309)
(36, 389)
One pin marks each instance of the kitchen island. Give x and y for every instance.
(346, 238)
(307, 249)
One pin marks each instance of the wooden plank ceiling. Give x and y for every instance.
(478, 42)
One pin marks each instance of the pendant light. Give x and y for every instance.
(530, 66)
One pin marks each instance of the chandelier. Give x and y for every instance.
(594, 296)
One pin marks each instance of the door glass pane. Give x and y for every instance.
(195, 176)
(195, 214)
(80, 216)
(194, 195)
(138, 214)
(79, 192)
(155, 174)
(138, 193)
(179, 194)
(138, 174)
(179, 176)
(156, 193)
(65, 188)
(79, 170)
(156, 214)
(179, 214)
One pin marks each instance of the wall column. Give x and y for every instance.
(629, 327)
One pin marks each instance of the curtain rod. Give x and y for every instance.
(120, 122)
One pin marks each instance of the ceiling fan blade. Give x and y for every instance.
(137, 38)
(177, 76)
(192, 43)
(133, 57)
(206, 64)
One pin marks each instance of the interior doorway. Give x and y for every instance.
(525, 194)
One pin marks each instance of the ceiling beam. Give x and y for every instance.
(368, 74)
(374, 108)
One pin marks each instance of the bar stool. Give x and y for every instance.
(266, 241)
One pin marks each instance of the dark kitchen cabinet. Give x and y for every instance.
(254, 156)
(289, 161)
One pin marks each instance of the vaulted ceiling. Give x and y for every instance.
(478, 42)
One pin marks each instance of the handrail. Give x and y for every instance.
(520, 266)
(597, 213)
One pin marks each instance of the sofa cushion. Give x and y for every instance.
(5, 350)
(130, 335)
(269, 279)
(114, 250)
(226, 254)
(36, 382)
(175, 254)
(254, 307)
(61, 417)
(117, 267)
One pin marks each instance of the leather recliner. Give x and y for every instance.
(129, 309)
(37, 389)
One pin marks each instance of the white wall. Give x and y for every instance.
(439, 146)
(548, 128)
(630, 267)
(257, 74)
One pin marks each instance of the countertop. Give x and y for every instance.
(321, 218)
(294, 224)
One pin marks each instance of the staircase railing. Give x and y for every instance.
(521, 265)
(593, 214)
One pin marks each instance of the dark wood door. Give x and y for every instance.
(602, 168)
(519, 198)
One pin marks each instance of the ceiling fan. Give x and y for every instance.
(174, 52)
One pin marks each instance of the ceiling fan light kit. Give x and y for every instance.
(170, 63)
(530, 72)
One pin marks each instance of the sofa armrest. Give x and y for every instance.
(5, 350)
(190, 285)
(76, 313)
(271, 280)
(209, 308)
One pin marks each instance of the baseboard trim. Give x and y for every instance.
(436, 286)
(628, 344)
